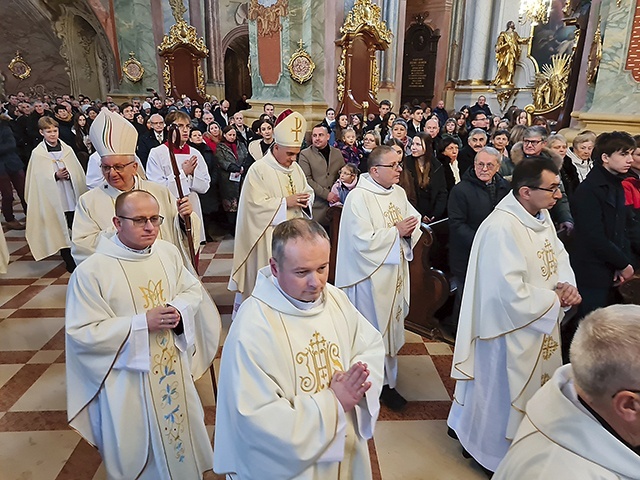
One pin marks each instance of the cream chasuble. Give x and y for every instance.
(276, 418)
(135, 401)
(4, 253)
(508, 342)
(159, 170)
(46, 231)
(96, 208)
(372, 265)
(261, 208)
(560, 439)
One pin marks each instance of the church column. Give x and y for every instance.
(455, 40)
(390, 14)
(478, 44)
(215, 62)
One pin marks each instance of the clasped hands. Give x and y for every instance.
(350, 386)
(407, 226)
(568, 294)
(298, 200)
(162, 317)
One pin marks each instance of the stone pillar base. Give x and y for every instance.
(215, 89)
(603, 122)
(313, 112)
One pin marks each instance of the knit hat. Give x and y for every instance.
(112, 134)
(290, 129)
(399, 121)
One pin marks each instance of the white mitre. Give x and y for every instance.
(290, 129)
(112, 134)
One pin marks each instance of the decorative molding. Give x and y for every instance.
(301, 65)
(342, 75)
(595, 55)
(133, 69)
(551, 84)
(178, 10)
(19, 68)
(183, 34)
(633, 57)
(366, 16)
(267, 17)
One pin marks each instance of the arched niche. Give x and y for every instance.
(237, 78)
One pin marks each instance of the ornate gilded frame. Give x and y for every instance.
(19, 68)
(133, 69)
(301, 65)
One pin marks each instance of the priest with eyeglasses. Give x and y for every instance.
(133, 322)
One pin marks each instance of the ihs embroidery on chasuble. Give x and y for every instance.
(321, 359)
(393, 215)
(291, 188)
(544, 379)
(549, 260)
(549, 347)
(153, 294)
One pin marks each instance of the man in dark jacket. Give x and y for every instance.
(476, 141)
(470, 202)
(601, 257)
(481, 105)
(152, 139)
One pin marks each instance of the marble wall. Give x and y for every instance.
(135, 34)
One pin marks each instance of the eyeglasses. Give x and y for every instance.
(156, 221)
(488, 166)
(117, 168)
(625, 390)
(182, 127)
(552, 190)
(395, 166)
(531, 142)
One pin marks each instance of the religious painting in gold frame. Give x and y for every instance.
(19, 68)
(133, 69)
(301, 65)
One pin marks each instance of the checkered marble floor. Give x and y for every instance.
(37, 444)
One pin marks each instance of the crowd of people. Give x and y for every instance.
(536, 228)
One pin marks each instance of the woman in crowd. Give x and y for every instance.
(82, 145)
(196, 118)
(357, 123)
(516, 135)
(399, 131)
(231, 156)
(520, 117)
(342, 122)
(449, 160)
(450, 129)
(213, 136)
(258, 147)
(370, 141)
(463, 132)
(384, 128)
(209, 201)
(579, 162)
(429, 178)
(541, 121)
(558, 144)
(405, 112)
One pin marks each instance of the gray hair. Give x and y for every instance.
(536, 131)
(309, 230)
(605, 352)
(491, 151)
(551, 139)
(477, 131)
(375, 157)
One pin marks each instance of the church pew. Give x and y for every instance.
(429, 286)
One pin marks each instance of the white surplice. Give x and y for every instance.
(372, 265)
(559, 438)
(46, 229)
(508, 341)
(276, 417)
(159, 170)
(130, 392)
(96, 209)
(262, 206)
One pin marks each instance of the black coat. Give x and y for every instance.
(9, 160)
(145, 143)
(600, 246)
(432, 200)
(469, 204)
(466, 156)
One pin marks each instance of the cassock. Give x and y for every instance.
(508, 343)
(4, 253)
(560, 439)
(276, 417)
(48, 199)
(96, 209)
(130, 392)
(159, 170)
(372, 265)
(95, 178)
(261, 208)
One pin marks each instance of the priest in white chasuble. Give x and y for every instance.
(378, 230)
(301, 372)
(584, 424)
(130, 337)
(194, 173)
(114, 139)
(518, 284)
(274, 190)
(53, 183)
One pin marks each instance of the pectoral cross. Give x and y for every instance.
(298, 128)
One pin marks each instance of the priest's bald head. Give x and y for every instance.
(137, 219)
(300, 260)
(288, 134)
(605, 355)
(384, 166)
(115, 139)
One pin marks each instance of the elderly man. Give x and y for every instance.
(131, 354)
(481, 105)
(476, 141)
(274, 190)
(585, 422)
(321, 164)
(119, 167)
(301, 371)
(378, 230)
(151, 139)
(470, 202)
(244, 133)
(518, 282)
